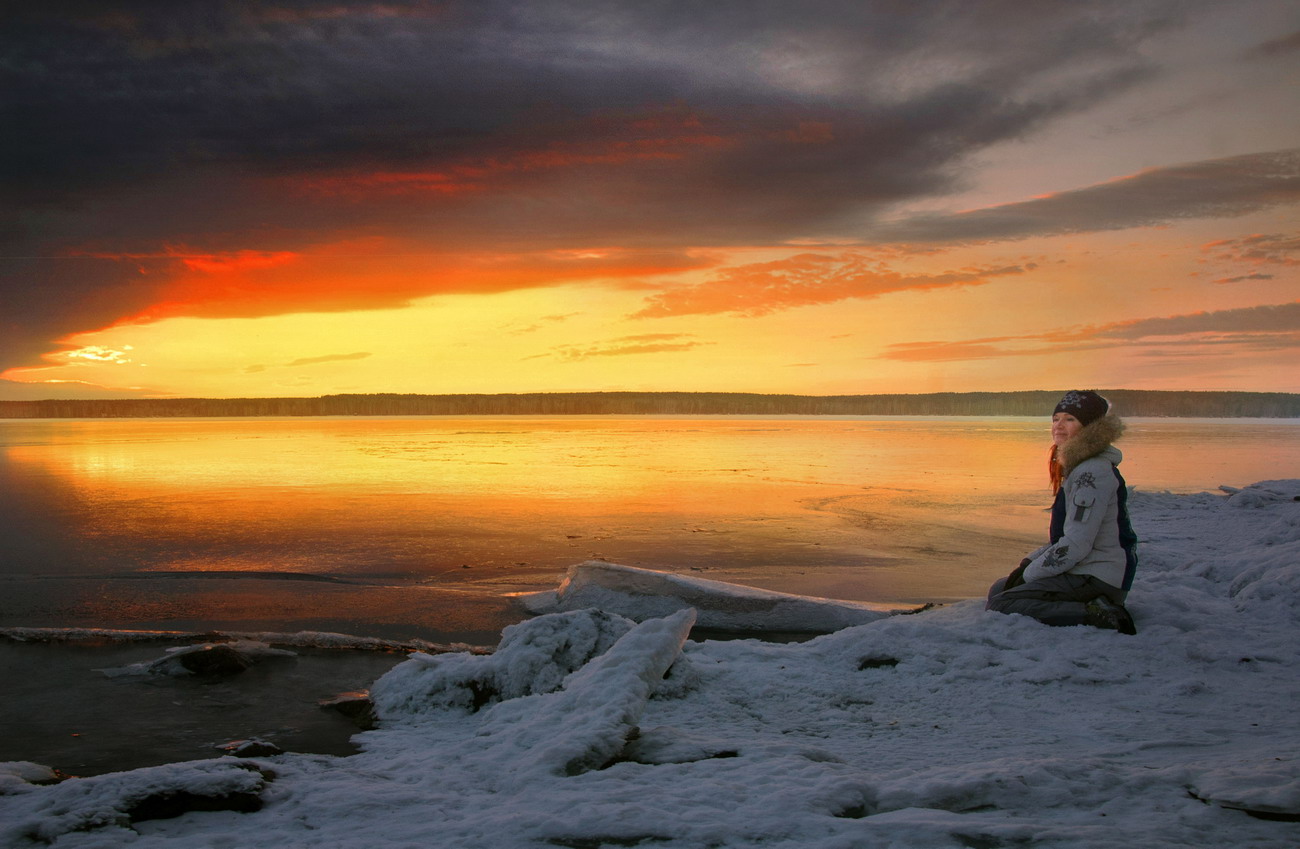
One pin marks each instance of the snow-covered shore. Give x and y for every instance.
(953, 727)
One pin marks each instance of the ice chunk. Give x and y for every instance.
(1268, 788)
(666, 745)
(642, 594)
(205, 659)
(18, 776)
(1262, 494)
(588, 722)
(534, 657)
(120, 798)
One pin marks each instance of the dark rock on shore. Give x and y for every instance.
(356, 707)
(253, 748)
(214, 661)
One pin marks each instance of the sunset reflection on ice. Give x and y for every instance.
(330, 514)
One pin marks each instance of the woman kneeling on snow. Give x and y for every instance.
(1083, 574)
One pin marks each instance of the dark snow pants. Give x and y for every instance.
(1058, 600)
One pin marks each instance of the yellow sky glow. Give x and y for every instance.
(583, 336)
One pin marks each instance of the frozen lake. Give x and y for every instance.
(425, 527)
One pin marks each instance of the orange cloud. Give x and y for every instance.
(971, 349)
(238, 261)
(1243, 277)
(311, 361)
(644, 343)
(605, 140)
(371, 273)
(371, 183)
(1257, 249)
(803, 280)
(209, 263)
(328, 358)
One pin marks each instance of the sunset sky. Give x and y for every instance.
(305, 198)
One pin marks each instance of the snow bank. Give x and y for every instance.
(641, 594)
(952, 728)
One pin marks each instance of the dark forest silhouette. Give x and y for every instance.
(1128, 402)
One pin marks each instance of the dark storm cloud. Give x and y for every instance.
(1263, 328)
(44, 298)
(1267, 318)
(1220, 188)
(112, 92)
(1282, 46)
(128, 126)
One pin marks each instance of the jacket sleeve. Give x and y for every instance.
(1088, 492)
(1033, 555)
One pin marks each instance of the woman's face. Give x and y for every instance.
(1064, 426)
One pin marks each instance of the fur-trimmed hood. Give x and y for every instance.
(1092, 440)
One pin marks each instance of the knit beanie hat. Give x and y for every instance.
(1084, 404)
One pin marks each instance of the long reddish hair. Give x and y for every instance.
(1055, 472)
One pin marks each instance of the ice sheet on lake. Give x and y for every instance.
(641, 594)
(297, 639)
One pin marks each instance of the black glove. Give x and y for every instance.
(1017, 576)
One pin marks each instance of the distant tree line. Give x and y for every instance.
(1127, 402)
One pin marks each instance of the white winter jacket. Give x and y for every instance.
(1090, 540)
